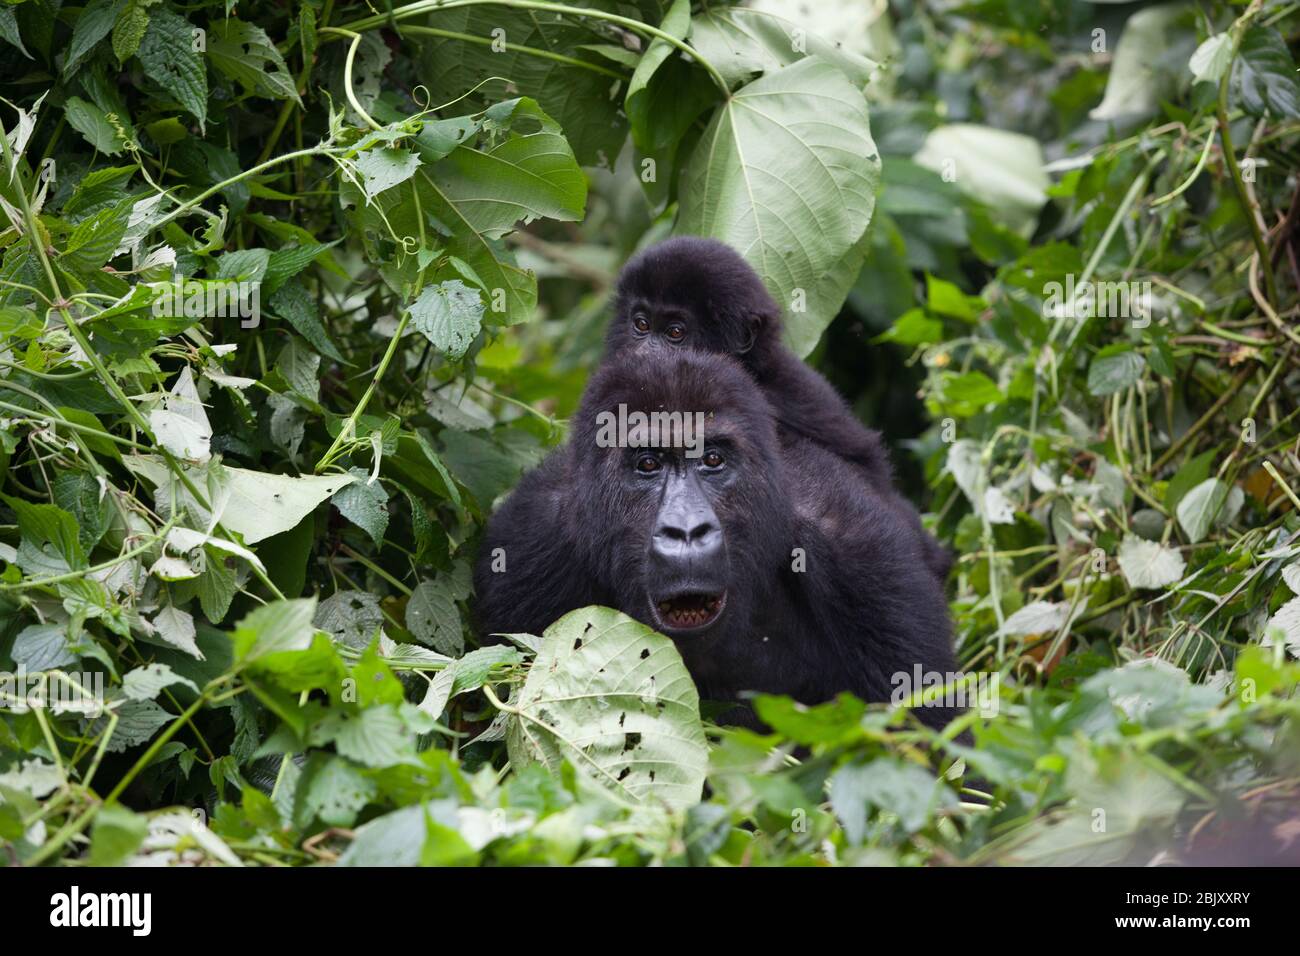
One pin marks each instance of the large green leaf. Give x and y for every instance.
(1002, 170)
(787, 173)
(666, 93)
(741, 43)
(613, 698)
(1150, 62)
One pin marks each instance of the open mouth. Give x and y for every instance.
(690, 612)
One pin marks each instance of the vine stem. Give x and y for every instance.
(103, 566)
(189, 204)
(348, 431)
(497, 702)
(516, 48)
(287, 109)
(1248, 207)
(636, 26)
(347, 74)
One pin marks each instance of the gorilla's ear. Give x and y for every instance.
(744, 329)
(750, 327)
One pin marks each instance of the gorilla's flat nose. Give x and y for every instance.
(692, 535)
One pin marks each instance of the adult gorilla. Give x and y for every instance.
(772, 566)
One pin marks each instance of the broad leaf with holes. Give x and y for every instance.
(613, 698)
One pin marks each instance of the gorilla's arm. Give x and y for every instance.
(527, 575)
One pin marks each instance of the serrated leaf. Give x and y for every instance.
(146, 683)
(137, 722)
(294, 304)
(432, 617)
(92, 123)
(333, 790)
(180, 423)
(262, 504)
(365, 504)
(351, 617)
(176, 627)
(449, 315)
(384, 167)
(287, 262)
(613, 698)
(1111, 372)
(9, 30)
(246, 54)
(170, 60)
(95, 23)
(524, 176)
(1210, 502)
(1148, 564)
(275, 627)
(376, 737)
(130, 28)
(42, 647)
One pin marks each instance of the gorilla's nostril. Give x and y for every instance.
(702, 531)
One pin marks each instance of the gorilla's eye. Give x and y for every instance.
(675, 332)
(647, 464)
(640, 323)
(712, 459)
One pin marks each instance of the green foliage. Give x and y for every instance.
(289, 299)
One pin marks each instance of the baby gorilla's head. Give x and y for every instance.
(696, 294)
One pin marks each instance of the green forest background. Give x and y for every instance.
(256, 531)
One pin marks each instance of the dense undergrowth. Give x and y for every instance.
(291, 292)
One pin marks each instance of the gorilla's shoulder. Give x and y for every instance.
(832, 496)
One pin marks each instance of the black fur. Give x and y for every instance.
(579, 530)
(705, 288)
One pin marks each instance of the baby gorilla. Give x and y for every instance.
(763, 557)
(699, 294)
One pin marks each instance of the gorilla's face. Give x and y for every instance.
(690, 293)
(683, 527)
(665, 321)
(687, 555)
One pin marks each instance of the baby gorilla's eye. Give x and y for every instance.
(647, 464)
(640, 323)
(675, 332)
(712, 459)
